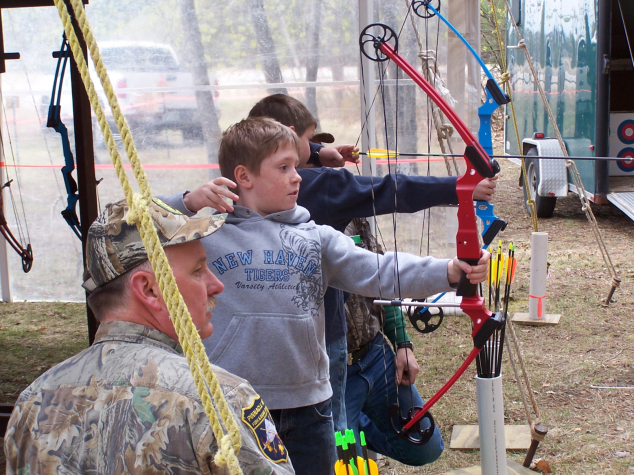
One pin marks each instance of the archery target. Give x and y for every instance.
(621, 144)
(626, 165)
(625, 132)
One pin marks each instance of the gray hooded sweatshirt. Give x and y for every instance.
(269, 321)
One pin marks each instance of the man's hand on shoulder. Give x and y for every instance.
(406, 366)
(335, 157)
(475, 274)
(212, 195)
(485, 189)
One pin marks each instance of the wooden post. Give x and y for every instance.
(85, 157)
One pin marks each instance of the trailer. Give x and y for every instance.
(582, 51)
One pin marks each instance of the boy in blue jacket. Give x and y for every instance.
(276, 264)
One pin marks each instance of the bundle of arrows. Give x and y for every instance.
(349, 462)
(501, 275)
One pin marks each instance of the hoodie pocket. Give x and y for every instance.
(270, 349)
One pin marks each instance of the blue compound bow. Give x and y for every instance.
(55, 122)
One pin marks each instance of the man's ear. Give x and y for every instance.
(243, 177)
(145, 289)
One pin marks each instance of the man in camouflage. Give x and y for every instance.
(128, 404)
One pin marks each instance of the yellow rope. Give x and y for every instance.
(228, 444)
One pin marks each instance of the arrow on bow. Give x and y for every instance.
(377, 47)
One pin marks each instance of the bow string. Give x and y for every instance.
(21, 243)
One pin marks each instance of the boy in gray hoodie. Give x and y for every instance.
(276, 265)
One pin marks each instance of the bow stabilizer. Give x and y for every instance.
(411, 427)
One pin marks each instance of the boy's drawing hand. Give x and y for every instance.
(475, 274)
(485, 189)
(212, 195)
(406, 366)
(335, 157)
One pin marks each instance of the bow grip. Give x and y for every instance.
(465, 287)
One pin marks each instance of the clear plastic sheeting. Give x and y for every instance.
(184, 71)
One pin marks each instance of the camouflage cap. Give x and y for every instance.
(113, 246)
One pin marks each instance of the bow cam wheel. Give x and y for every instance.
(426, 320)
(371, 39)
(27, 260)
(421, 8)
(416, 435)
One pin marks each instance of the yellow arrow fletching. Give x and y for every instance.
(380, 153)
(494, 270)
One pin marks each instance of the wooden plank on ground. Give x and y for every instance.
(512, 468)
(524, 319)
(467, 437)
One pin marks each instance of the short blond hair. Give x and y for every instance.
(250, 141)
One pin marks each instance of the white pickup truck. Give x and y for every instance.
(153, 91)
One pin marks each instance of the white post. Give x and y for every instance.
(491, 422)
(539, 274)
(5, 280)
(367, 81)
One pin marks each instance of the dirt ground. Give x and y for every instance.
(591, 431)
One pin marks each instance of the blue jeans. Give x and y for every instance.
(309, 437)
(368, 382)
(338, 353)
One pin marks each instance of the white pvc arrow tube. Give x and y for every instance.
(491, 422)
(539, 274)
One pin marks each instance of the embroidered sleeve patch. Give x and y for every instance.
(258, 419)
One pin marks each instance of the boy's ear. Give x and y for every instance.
(243, 177)
(292, 127)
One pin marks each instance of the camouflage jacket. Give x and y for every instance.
(128, 404)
